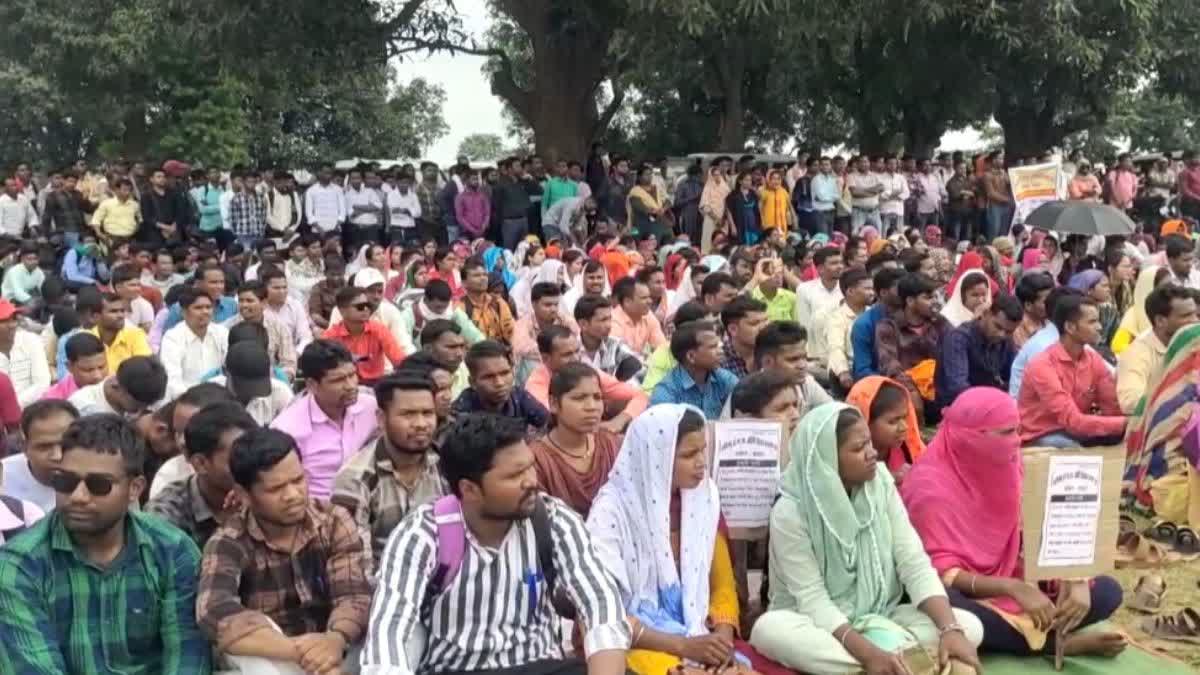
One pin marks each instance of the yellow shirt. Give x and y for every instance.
(775, 207)
(782, 307)
(116, 218)
(1137, 364)
(130, 341)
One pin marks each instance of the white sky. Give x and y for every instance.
(471, 108)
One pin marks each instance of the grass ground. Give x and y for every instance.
(1182, 592)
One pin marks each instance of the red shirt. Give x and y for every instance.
(456, 289)
(1059, 393)
(10, 409)
(369, 348)
(1189, 182)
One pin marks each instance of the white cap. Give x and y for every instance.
(368, 277)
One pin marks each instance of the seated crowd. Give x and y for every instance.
(425, 460)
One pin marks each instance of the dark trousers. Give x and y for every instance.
(512, 231)
(999, 635)
(403, 236)
(365, 234)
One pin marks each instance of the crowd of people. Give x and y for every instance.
(405, 421)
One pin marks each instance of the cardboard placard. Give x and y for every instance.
(744, 462)
(1070, 507)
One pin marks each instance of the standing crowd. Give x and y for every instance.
(409, 421)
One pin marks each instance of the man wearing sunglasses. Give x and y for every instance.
(368, 340)
(95, 587)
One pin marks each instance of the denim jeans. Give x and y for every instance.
(891, 221)
(512, 231)
(999, 218)
(860, 217)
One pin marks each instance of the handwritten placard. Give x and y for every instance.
(746, 470)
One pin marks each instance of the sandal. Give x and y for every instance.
(1163, 532)
(1183, 627)
(1186, 542)
(1138, 552)
(1148, 594)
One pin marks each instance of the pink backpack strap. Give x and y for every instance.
(451, 543)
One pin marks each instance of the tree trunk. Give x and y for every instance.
(136, 139)
(1028, 130)
(569, 64)
(730, 68)
(872, 140)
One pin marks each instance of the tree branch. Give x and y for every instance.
(610, 111)
(404, 17)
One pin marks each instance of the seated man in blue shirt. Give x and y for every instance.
(210, 279)
(862, 332)
(1039, 342)
(494, 390)
(698, 378)
(979, 353)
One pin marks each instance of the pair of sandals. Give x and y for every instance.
(1159, 545)
(1182, 539)
(1182, 627)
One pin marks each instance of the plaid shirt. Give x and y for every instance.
(731, 361)
(321, 583)
(248, 215)
(181, 504)
(612, 352)
(367, 486)
(62, 614)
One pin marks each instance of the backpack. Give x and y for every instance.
(452, 547)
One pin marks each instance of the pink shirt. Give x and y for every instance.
(525, 332)
(1123, 185)
(1189, 182)
(538, 386)
(1059, 393)
(643, 336)
(325, 446)
(62, 390)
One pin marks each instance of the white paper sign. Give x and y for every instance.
(746, 470)
(1072, 511)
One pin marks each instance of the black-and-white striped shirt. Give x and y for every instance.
(483, 620)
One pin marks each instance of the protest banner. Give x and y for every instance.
(1070, 510)
(1035, 185)
(744, 457)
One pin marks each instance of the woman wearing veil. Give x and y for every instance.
(657, 523)
(844, 555)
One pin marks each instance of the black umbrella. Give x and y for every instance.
(1079, 217)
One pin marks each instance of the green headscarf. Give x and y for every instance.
(851, 535)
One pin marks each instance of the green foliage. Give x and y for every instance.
(482, 147)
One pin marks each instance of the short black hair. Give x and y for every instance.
(203, 432)
(1070, 308)
(485, 349)
(470, 445)
(687, 338)
(777, 335)
(82, 345)
(887, 278)
(144, 378)
(911, 259)
(826, 253)
(1177, 245)
(692, 310)
(386, 388)
(1159, 302)
(43, 408)
(258, 288)
(190, 296)
(1009, 306)
(912, 285)
(713, 283)
(646, 273)
(268, 273)
(756, 390)
(624, 289)
(109, 434)
(1056, 296)
(544, 289)
(322, 356)
(89, 300)
(346, 295)
(422, 362)
(739, 308)
(472, 263)
(436, 328)
(200, 396)
(438, 290)
(1032, 284)
(569, 376)
(587, 306)
(257, 451)
(878, 260)
(851, 278)
(123, 273)
(546, 338)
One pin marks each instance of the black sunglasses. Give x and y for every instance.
(98, 484)
(361, 306)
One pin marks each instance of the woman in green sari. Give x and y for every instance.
(843, 553)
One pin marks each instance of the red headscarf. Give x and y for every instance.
(978, 472)
(970, 261)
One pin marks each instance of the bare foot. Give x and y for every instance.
(1094, 644)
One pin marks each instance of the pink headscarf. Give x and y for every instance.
(980, 474)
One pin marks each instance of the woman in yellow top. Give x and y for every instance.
(1135, 321)
(774, 203)
(656, 523)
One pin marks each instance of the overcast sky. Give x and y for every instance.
(471, 108)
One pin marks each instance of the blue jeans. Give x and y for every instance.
(999, 218)
(860, 217)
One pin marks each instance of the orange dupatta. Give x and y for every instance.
(863, 393)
